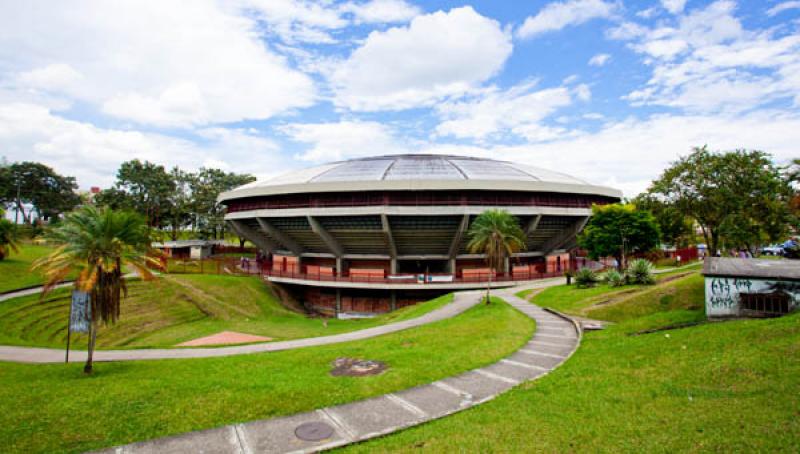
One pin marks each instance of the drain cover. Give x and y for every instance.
(354, 367)
(313, 431)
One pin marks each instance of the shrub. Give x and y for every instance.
(640, 271)
(585, 277)
(614, 278)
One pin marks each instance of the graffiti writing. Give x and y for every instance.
(742, 285)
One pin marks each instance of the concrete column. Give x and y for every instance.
(506, 265)
(393, 266)
(453, 266)
(393, 303)
(338, 302)
(339, 263)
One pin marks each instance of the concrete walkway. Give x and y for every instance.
(555, 339)
(461, 302)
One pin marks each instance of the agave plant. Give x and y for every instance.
(614, 278)
(640, 271)
(586, 277)
(97, 244)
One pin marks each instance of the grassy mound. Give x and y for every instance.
(719, 387)
(175, 309)
(15, 270)
(55, 408)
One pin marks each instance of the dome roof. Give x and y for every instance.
(418, 172)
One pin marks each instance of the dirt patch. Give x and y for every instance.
(225, 338)
(352, 367)
(674, 277)
(611, 300)
(666, 328)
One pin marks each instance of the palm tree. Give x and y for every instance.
(497, 234)
(8, 237)
(98, 243)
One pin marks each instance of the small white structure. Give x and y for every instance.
(750, 287)
(193, 249)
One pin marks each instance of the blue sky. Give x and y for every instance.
(610, 91)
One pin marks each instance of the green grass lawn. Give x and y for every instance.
(717, 387)
(55, 408)
(600, 301)
(15, 269)
(174, 309)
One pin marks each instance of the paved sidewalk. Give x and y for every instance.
(555, 339)
(461, 302)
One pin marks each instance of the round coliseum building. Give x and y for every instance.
(375, 234)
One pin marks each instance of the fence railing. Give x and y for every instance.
(233, 266)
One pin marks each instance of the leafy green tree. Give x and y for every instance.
(206, 187)
(617, 230)
(181, 207)
(498, 235)
(8, 236)
(739, 194)
(98, 244)
(676, 228)
(148, 188)
(35, 184)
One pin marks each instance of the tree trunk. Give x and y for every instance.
(714, 243)
(87, 369)
(488, 288)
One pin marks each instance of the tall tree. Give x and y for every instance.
(618, 230)
(181, 202)
(741, 194)
(207, 185)
(676, 228)
(148, 187)
(498, 235)
(37, 185)
(99, 243)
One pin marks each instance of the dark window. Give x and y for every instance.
(776, 303)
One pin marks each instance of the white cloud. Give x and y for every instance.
(709, 63)
(32, 133)
(784, 6)
(629, 154)
(156, 63)
(343, 139)
(382, 11)
(519, 110)
(673, 6)
(557, 15)
(599, 60)
(303, 21)
(435, 56)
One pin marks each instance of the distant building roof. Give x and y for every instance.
(419, 172)
(752, 268)
(187, 243)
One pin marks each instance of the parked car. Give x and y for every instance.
(773, 249)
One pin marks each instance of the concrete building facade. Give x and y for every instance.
(374, 234)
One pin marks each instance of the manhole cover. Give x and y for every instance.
(313, 431)
(353, 367)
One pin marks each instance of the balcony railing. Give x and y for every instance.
(417, 279)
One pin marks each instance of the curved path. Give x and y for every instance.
(555, 339)
(461, 302)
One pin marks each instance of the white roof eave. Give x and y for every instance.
(419, 185)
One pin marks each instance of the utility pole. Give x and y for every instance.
(16, 211)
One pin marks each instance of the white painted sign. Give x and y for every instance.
(80, 313)
(723, 293)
